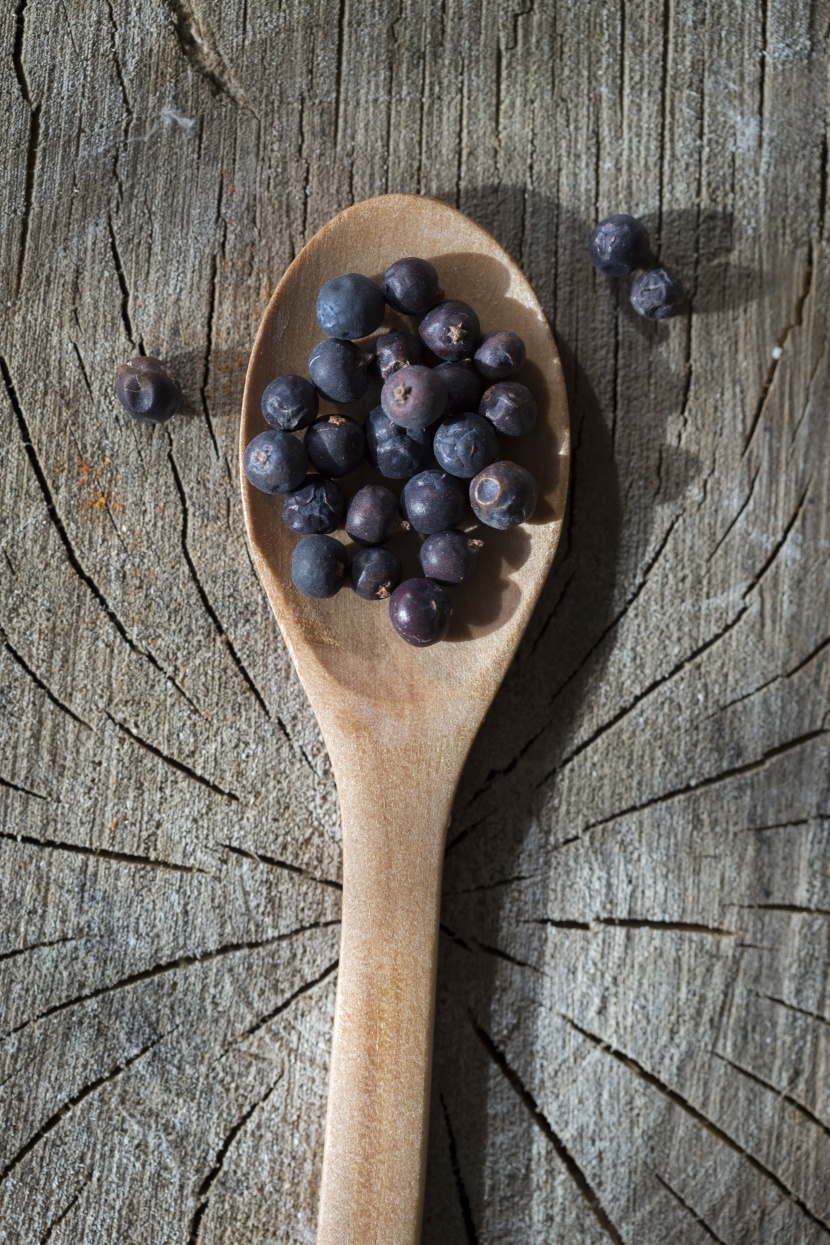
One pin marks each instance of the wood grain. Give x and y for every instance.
(632, 1037)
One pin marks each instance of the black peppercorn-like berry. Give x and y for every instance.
(373, 515)
(449, 557)
(656, 294)
(503, 495)
(394, 351)
(510, 408)
(147, 391)
(350, 306)
(420, 612)
(465, 444)
(338, 369)
(318, 566)
(410, 285)
(618, 245)
(275, 462)
(414, 397)
(398, 453)
(434, 502)
(336, 445)
(375, 573)
(464, 386)
(451, 330)
(315, 508)
(290, 403)
(500, 354)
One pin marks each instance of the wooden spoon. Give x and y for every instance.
(398, 721)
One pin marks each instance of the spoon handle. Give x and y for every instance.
(378, 1105)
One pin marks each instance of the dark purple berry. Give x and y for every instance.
(318, 566)
(464, 386)
(350, 306)
(397, 453)
(275, 462)
(420, 612)
(414, 397)
(373, 515)
(499, 354)
(335, 445)
(394, 351)
(503, 495)
(410, 286)
(375, 573)
(510, 408)
(656, 294)
(449, 557)
(434, 501)
(147, 391)
(451, 330)
(315, 508)
(618, 245)
(338, 369)
(464, 444)
(290, 403)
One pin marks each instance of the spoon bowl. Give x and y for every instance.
(398, 721)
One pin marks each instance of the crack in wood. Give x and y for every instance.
(696, 1114)
(801, 1011)
(33, 140)
(14, 786)
(172, 761)
(460, 1188)
(200, 49)
(36, 946)
(38, 681)
(782, 1094)
(101, 853)
(205, 599)
(56, 1223)
(172, 966)
(690, 1209)
(304, 989)
(261, 859)
(531, 1105)
(203, 1194)
(70, 1104)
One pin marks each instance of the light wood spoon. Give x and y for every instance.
(398, 721)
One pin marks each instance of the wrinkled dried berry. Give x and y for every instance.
(290, 403)
(397, 453)
(318, 566)
(375, 573)
(434, 502)
(656, 294)
(420, 612)
(350, 306)
(464, 386)
(335, 445)
(315, 508)
(373, 515)
(503, 495)
(410, 286)
(449, 557)
(414, 397)
(465, 444)
(338, 369)
(275, 462)
(499, 354)
(451, 330)
(510, 408)
(618, 245)
(147, 391)
(394, 351)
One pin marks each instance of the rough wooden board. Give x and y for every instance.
(632, 1040)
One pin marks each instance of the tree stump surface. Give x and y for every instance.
(633, 1033)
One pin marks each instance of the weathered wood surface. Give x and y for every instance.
(632, 1039)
